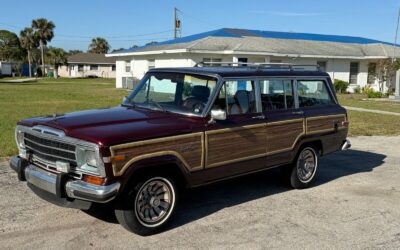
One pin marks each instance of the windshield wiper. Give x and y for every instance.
(158, 105)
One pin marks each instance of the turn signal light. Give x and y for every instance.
(118, 158)
(345, 123)
(94, 180)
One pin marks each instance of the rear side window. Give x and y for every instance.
(313, 93)
(237, 97)
(277, 94)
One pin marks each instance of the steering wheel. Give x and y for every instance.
(198, 107)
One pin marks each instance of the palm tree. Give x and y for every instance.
(99, 45)
(45, 32)
(57, 57)
(29, 41)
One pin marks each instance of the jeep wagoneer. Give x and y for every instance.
(182, 127)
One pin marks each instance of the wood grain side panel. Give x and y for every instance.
(322, 124)
(282, 136)
(188, 148)
(231, 145)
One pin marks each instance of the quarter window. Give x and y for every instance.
(276, 94)
(313, 93)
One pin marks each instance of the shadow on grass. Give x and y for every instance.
(200, 202)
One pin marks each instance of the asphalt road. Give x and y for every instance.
(354, 204)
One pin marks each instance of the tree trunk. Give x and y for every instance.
(29, 62)
(55, 71)
(42, 53)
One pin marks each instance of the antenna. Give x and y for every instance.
(177, 24)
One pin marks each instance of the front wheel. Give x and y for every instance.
(148, 206)
(304, 168)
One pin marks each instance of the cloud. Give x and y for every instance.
(287, 14)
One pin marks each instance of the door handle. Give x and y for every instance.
(298, 112)
(261, 117)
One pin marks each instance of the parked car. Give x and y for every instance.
(182, 127)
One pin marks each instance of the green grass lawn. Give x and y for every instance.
(49, 96)
(356, 100)
(363, 123)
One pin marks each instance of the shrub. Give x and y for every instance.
(340, 86)
(357, 90)
(371, 93)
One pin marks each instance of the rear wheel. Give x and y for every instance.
(304, 167)
(149, 205)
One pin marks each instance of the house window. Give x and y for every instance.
(127, 66)
(354, 68)
(214, 62)
(371, 73)
(151, 63)
(94, 67)
(113, 68)
(322, 66)
(80, 68)
(242, 60)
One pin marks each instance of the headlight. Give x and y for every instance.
(88, 161)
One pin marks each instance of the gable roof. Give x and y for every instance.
(230, 41)
(90, 58)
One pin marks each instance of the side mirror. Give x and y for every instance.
(218, 114)
(124, 99)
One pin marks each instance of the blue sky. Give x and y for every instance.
(125, 23)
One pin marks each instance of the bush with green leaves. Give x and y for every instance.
(340, 86)
(371, 93)
(357, 90)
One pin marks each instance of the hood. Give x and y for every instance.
(118, 125)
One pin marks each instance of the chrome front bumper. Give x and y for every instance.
(61, 186)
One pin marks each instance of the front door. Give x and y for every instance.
(242, 136)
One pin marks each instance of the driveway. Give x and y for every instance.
(354, 204)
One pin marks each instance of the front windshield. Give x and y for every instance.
(173, 92)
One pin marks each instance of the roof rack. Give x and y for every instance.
(260, 66)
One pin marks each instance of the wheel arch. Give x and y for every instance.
(169, 165)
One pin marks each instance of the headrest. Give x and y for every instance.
(202, 92)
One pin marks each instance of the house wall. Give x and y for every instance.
(5, 69)
(336, 68)
(104, 71)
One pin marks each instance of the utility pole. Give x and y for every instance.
(395, 37)
(177, 24)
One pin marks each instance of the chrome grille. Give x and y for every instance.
(50, 150)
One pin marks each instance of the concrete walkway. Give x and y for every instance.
(372, 111)
(20, 80)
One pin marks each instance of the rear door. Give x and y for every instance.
(285, 121)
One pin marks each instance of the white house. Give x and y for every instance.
(87, 65)
(5, 68)
(352, 59)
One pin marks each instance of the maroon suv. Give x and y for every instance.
(182, 127)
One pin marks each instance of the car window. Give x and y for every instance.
(237, 97)
(276, 94)
(313, 93)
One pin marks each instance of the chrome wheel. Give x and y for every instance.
(306, 165)
(154, 202)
